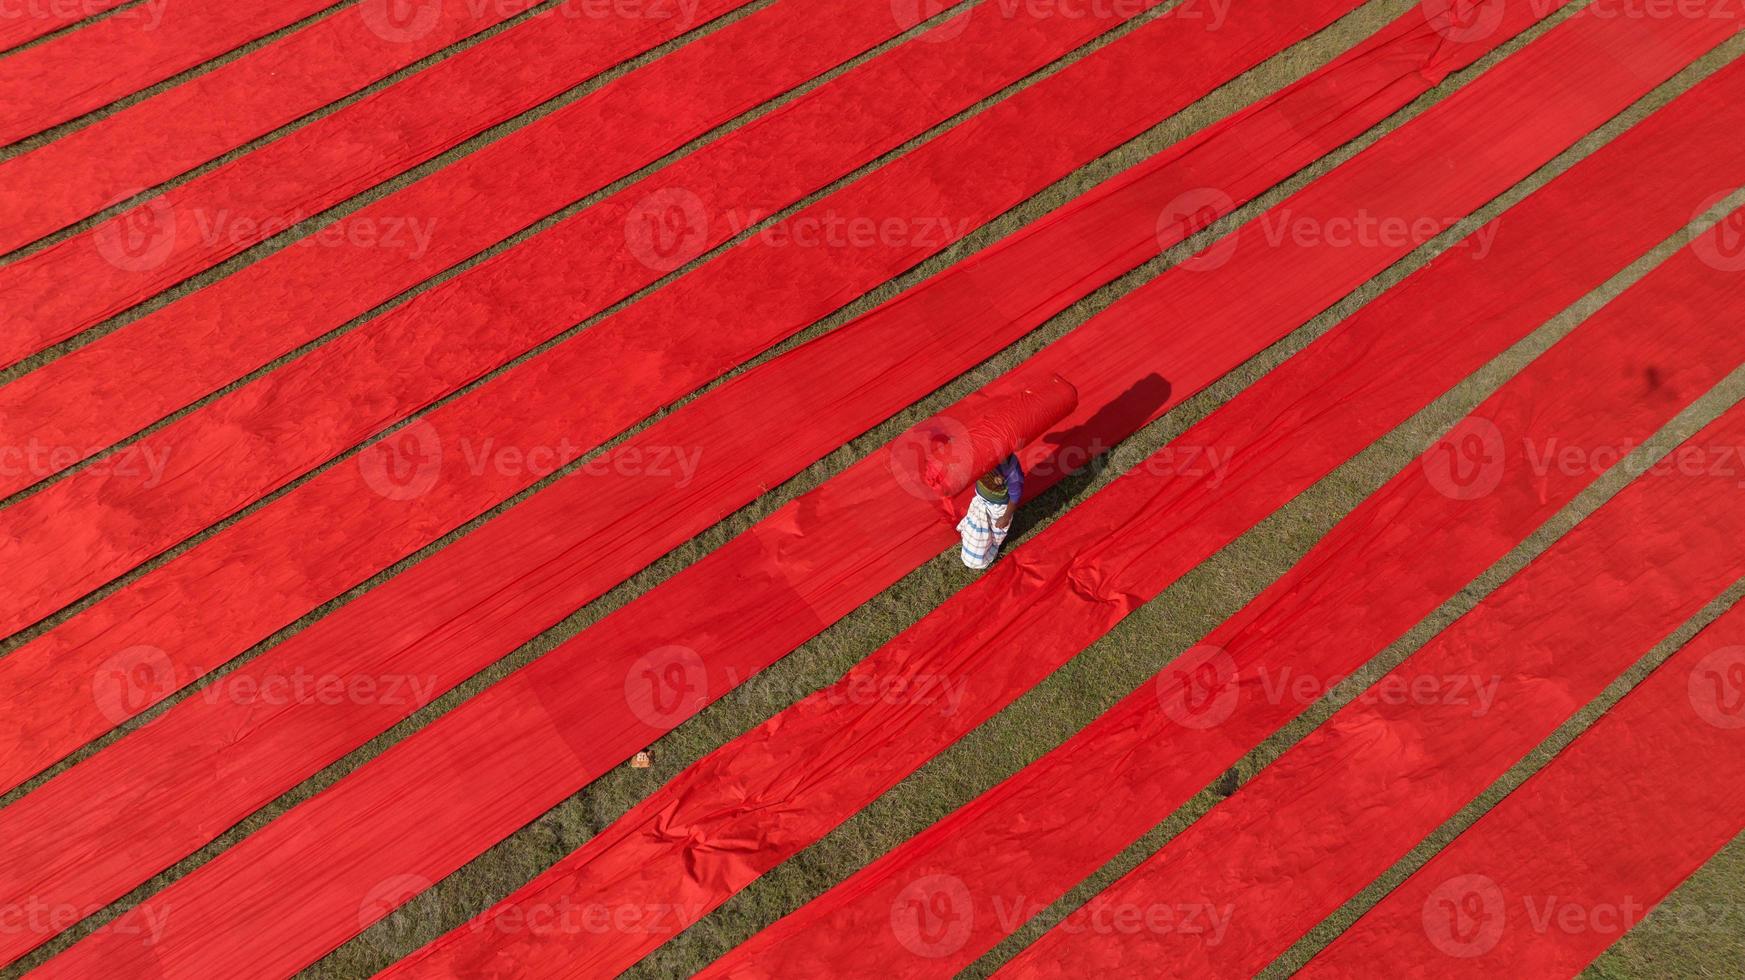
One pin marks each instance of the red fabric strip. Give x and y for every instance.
(84, 172)
(1364, 788)
(1005, 857)
(757, 801)
(93, 66)
(493, 590)
(742, 606)
(83, 280)
(949, 453)
(26, 22)
(254, 440)
(1578, 855)
(80, 403)
(183, 608)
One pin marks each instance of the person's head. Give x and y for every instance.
(994, 480)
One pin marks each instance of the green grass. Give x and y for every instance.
(1075, 695)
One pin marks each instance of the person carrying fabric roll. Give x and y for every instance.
(989, 518)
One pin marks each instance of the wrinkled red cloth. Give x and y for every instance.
(1590, 844)
(982, 872)
(105, 520)
(742, 606)
(950, 451)
(45, 19)
(765, 796)
(86, 278)
(142, 145)
(477, 599)
(1368, 785)
(94, 65)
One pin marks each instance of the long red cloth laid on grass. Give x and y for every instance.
(370, 524)
(961, 315)
(95, 65)
(948, 453)
(1364, 788)
(42, 19)
(1580, 853)
(742, 607)
(1028, 841)
(581, 536)
(76, 176)
(719, 806)
(254, 440)
(82, 280)
(79, 405)
(565, 568)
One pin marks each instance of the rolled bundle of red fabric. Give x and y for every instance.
(945, 454)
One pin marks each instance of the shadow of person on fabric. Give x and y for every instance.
(1086, 448)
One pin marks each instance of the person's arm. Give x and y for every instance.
(1014, 477)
